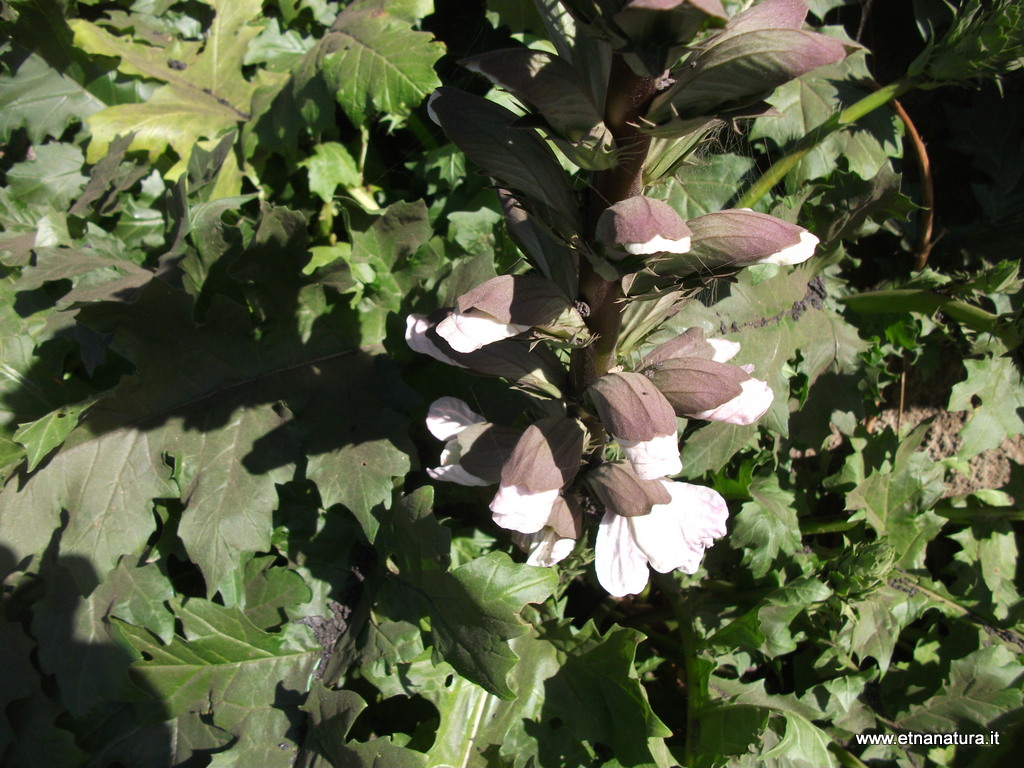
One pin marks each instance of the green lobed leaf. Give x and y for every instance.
(43, 435)
(41, 99)
(378, 64)
(475, 612)
(997, 384)
(473, 609)
(229, 500)
(206, 399)
(52, 174)
(877, 621)
(109, 510)
(804, 745)
(703, 187)
(767, 525)
(233, 671)
(330, 167)
(597, 693)
(76, 644)
(474, 724)
(992, 549)
(331, 715)
(203, 94)
(896, 499)
(270, 593)
(279, 50)
(981, 687)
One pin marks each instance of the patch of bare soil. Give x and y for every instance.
(925, 397)
(989, 469)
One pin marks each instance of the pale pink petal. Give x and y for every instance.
(725, 350)
(654, 458)
(746, 408)
(517, 508)
(546, 548)
(658, 244)
(794, 254)
(675, 535)
(620, 564)
(416, 327)
(469, 331)
(454, 473)
(448, 416)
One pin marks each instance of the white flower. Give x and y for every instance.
(672, 537)
(469, 331)
(446, 418)
(451, 471)
(746, 408)
(793, 254)
(654, 458)
(517, 508)
(416, 327)
(546, 547)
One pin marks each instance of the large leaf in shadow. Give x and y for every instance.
(232, 412)
(246, 681)
(516, 157)
(473, 609)
(332, 714)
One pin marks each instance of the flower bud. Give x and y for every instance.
(619, 490)
(740, 237)
(747, 407)
(641, 420)
(506, 306)
(690, 343)
(703, 389)
(544, 461)
(642, 226)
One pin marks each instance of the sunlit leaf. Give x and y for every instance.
(377, 64)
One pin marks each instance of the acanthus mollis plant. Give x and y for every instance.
(632, 91)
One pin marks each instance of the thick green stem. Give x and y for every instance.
(927, 301)
(850, 115)
(691, 666)
(827, 525)
(628, 97)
